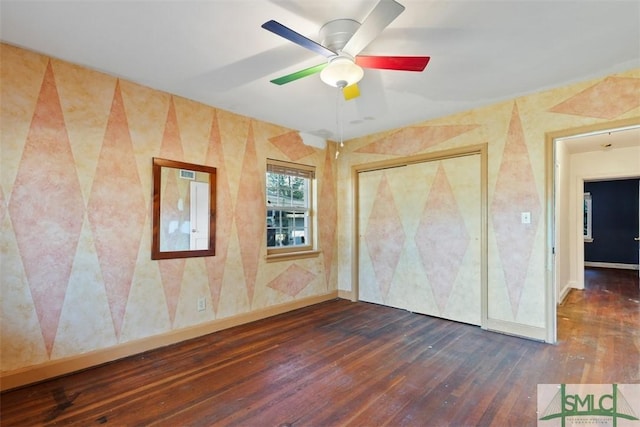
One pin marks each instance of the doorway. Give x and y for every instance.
(615, 223)
(608, 151)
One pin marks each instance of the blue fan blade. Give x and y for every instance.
(279, 29)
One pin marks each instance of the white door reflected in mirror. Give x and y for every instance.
(199, 208)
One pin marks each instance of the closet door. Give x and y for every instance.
(420, 238)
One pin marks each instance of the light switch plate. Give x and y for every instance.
(525, 217)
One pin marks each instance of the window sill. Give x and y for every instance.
(292, 255)
(588, 240)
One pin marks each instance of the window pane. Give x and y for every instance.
(288, 201)
(298, 224)
(287, 228)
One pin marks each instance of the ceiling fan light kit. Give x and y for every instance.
(334, 35)
(341, 72)
(342, 41)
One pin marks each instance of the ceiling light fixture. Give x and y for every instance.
(341, 72)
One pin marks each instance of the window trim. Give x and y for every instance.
(299, 251)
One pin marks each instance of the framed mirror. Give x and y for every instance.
(184, 210)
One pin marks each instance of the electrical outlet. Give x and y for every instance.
(202, 304)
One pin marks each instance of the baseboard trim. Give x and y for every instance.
(617, 265)
(517, 329)
(345, 295)
(56, 368)
(565, 291)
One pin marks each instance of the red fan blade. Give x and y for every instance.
(400, 63)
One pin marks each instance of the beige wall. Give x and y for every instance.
(75, 193)
(518, 294)
(75, 210)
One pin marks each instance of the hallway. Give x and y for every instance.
(605, 317)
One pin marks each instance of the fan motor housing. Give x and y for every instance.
(335, 34)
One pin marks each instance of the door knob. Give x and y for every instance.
(637, 239)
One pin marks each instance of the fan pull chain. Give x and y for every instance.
(339, 121)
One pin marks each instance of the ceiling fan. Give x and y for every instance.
(342, 41)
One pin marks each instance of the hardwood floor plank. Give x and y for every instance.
(340, 363)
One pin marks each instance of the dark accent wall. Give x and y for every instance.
(614, 221)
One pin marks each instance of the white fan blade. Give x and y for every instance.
(382, 15)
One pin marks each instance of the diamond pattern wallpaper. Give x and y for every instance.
(224, 217)
(123, 219)
(514, 132)
(251, 198)
(75, 209)
(595, 101)
(77, 274)
(384, 237)
(48, 243)
(420, 249)
(414, 139)
(442, 238)
(515, 192)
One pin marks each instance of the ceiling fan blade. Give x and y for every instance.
(297, 38)
(377, 20)
(401, 63)
(299, 74)
(351, 92)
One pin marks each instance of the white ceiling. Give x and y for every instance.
(482, 51)
(604, 140)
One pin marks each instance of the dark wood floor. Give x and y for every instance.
(341, 363)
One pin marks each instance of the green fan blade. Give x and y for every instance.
(299, 74)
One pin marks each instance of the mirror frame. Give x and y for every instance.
(158, 164)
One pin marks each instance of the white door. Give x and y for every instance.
(420, 238)
(199, 215)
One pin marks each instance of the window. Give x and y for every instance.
(587, 218)
(289, 207)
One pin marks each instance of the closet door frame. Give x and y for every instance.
(482, 151)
